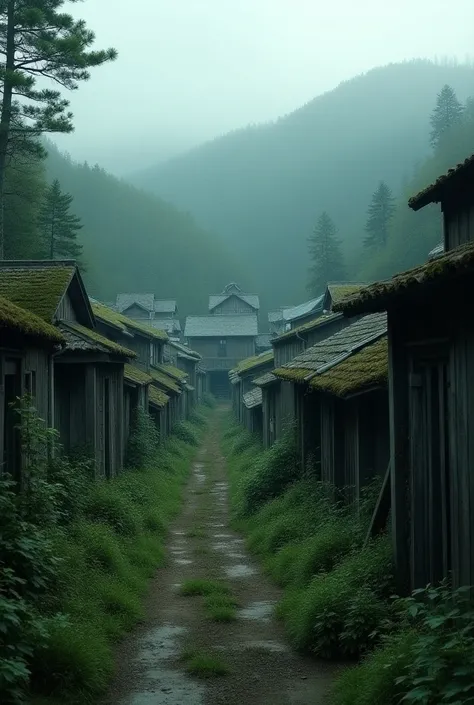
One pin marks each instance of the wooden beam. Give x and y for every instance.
(380, 516)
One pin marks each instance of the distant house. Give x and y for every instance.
(246, 398)
(27, 345)
(88, 371)
(187, 360)
(431, 391)
(222, 341)
(158, 313)
(232, 301)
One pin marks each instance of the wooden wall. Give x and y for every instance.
(238, 348)
(65, 311)
(459, 221)
(233, 305)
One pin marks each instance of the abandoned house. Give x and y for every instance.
(27, 345)
(431, 392)
(157, 313)
(246, 398)
(233, 300)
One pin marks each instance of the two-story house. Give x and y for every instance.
(157, 313)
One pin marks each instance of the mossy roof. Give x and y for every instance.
(330, 350)
(340, 290)
(164, 380)
(38, 289)
(136, 375)
(157, 398)
(306, 327)
(435, 191)
(362, 371)
(91, 340)
(14, 318)
(171, 371)
(106, 314)
(382, 295)
(184, 350)
(252, 363)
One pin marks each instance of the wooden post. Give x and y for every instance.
(90, 419)
(382, 509)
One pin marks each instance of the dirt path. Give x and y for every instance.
(262, 669)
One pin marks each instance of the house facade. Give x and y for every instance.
(157, 313)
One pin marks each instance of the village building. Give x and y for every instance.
(187, 360)
(431, 394)
(246, 398)
(27, 346)
(233, 300)
(87, 404)
(157, 313)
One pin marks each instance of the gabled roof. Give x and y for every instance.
(253, 398)
(332, 350)
(437, 272)
(250, 299)
(136, 376)
(165, 306)
(157, 398)
(118, 320)
(145, 301)
(79, 338)
(14, 319)
(306, 327)
(253, 363)
(39, 286)
(221, 326)
(163, 380)
(361, 372)
(305, 309)
(451, 180)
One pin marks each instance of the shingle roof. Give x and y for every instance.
(381, 295)
(185, 350)
(254, 362)
(37, 288)
(171, 371)
(362, 371)
(105, 314)
(265, 379)
(163, 380)
(157, 398)
(81, 338)
(434, 192)
(221, 326)
(124, 301)
(333, 349)
(306, 327)
(312, 306)
(136, 375)
(170, 325)
(164, 305)
(250, 299)
(14, 318)
(253, 398)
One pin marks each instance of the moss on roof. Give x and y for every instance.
(292, 374)
(14, 318)
(381, 295)
(136, 375)
(185, 350)
(306, 327)
(364, 370)
(173, 372)
(106, 314)
(165, 381)
(157, 397)
(433, 193)
(37, 289)
(253, 362)
(95, 337)
(340, 291)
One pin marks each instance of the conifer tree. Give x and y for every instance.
(39, 43)
(326, 256)
(379, 215)
(447, 112)
(58, 226)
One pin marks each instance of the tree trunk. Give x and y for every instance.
(6, 114)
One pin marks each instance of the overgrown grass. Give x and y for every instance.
(108, 555)
(336, 598)
(204, 587)
(219, 605)
(202, 664)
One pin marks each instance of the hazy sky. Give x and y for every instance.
(192, 69)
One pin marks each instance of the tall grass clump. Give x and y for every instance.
(209, 400)
(186, 432)
(75, 560)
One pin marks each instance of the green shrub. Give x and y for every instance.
(197, 418)
(209, 400)
(107, 505)
(144, 441)
(185, 432)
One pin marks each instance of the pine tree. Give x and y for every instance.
(39, 42)
(379, 215)
(326, 256)
(447, 112)
(58, 227)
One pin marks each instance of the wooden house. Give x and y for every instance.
(87, 406)
(135, 396)
(324, 422)
(158, 313)
(246, 399)
(186, 360)
(431, 390)
(159, 411)
(222, 341)
(27, 345)
(233, 301)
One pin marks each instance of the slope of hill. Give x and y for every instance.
(135, 241)
(262, 188)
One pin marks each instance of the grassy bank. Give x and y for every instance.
(100, 560)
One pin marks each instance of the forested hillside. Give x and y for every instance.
(263, 188)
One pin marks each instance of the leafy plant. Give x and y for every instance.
(209, 400)
(186, 433)
(143, 443)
